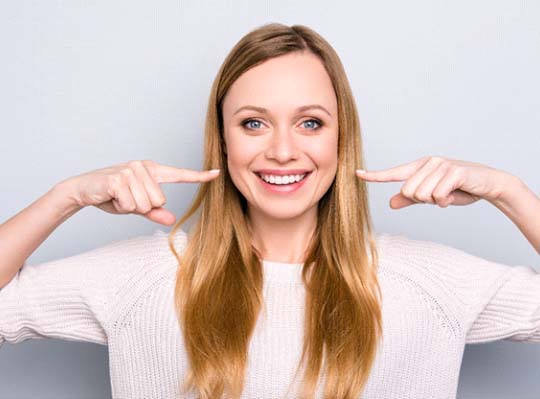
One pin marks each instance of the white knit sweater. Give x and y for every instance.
(436, 299)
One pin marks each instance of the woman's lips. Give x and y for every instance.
(283, 188)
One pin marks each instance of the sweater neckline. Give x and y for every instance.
(282, 271)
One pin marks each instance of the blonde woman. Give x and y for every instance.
(280, 288)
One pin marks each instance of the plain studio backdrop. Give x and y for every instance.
(88, 84)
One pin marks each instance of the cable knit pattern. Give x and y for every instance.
(436, 299)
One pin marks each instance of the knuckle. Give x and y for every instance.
(124, 207)
(438, 196)
(114, 180)
(127, 172)
(422, 196)
(145, 209)
(419, 198)
(442, 204)
(456, 171)
(445, 201)
(406, 191)
(134, 163)
(151, 168)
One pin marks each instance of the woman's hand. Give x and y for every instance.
(442, 181)
(133, 187)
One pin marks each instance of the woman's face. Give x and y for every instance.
(280, 136)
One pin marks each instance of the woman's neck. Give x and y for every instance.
(282, 240)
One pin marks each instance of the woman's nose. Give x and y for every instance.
(282, 145)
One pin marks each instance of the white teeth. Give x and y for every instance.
(282, 179)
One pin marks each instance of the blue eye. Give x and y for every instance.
(246, 123)
(316, 121)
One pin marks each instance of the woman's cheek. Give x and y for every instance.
(244, 154)
(323, 152)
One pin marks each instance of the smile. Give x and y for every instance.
(274, 179)
(282, 184)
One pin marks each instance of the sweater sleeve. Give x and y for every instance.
(69, 298)
(510, 309)
(492, 301)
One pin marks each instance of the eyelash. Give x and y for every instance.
(246, 121)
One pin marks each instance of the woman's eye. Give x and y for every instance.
(249, 121)
(313, 120)
(313, 124)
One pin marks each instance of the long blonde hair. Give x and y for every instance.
(218, 292)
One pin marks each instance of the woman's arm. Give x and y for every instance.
(491, 300)
(445, 181)
(23, 233)
(522, 206)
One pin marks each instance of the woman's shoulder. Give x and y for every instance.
(406, 251)
(458, 278)
(153, 269)
(408, 254)
(150, 255)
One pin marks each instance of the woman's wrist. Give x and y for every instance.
(63, 199)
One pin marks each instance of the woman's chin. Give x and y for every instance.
(282, 211)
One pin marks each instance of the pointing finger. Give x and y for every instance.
(397, 173)
(170, 174)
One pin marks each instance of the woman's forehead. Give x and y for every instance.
(283, 84)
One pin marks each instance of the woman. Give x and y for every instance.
(281, 272)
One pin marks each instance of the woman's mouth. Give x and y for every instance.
(282, 184)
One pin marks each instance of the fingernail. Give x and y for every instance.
(360, 170)
(214, 171)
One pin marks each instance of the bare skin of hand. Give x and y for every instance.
(133, 187)
(441, 181)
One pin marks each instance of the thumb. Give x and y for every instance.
(161, 216)
(400, 201)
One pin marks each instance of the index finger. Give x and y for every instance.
(397, 173)
(170, 174)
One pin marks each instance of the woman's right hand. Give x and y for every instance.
(133, 187)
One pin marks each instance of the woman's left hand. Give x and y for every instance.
(442, 181)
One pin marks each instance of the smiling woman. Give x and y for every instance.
(291, 91)
(283, 127)
(280, 272)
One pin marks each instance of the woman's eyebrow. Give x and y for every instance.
(299, 109)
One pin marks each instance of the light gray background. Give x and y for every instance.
(88, 84)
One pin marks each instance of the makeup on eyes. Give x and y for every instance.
(320, 123)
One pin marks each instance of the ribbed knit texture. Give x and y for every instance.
(436, 299)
